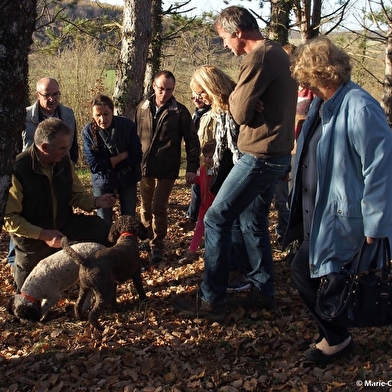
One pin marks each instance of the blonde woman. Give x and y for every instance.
(214, 87)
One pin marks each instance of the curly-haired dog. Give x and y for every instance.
(45, 284)
(101, 271)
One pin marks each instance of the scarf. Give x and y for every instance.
(226, 135)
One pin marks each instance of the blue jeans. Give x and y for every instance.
(246, 194)
(127, 197)
(194, 206)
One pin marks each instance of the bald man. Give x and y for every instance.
(48, 105)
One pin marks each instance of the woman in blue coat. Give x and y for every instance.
(113, 151)
(343, 181)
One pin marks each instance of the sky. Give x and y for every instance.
(217, 5)
(200, 5)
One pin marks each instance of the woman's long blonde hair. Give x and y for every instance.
(215, 83)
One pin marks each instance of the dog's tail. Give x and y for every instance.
(75, 256)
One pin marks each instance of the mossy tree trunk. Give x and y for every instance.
(155, 49)
(279, 25)
(17, 19)
(130, 70)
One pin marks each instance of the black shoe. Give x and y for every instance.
(313, 354)
(253, 299)
(191, 305)
(156, 255)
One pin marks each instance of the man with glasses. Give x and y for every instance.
(162, 124)
(48, 105)
(43, 192)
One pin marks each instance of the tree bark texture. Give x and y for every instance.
(386, 102)
(17, 23)
(136, 38)
(279, 27)
(155, 49)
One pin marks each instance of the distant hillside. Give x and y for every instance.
(92, 9)
(60, 23)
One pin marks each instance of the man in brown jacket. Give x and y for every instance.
(266, 140)
(162, 124)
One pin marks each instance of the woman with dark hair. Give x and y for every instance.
(113, 151)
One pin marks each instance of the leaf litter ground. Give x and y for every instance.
(150, 348)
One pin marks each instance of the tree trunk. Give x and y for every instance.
(155, 49)
(308, 17)
(386, 102)
(278, 29)
(136, 37)
(16, 29)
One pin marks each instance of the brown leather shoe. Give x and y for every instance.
(192, 306)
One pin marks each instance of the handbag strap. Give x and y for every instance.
(352, 266)
(351, 269)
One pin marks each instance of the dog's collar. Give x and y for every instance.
(29, 298)
(127, 234)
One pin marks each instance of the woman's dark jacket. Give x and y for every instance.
(119, 137)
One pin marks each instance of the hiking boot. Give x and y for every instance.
(192, 306)
(253, 299)
(187, 224)
(189, 258)
(156, 255)
(240, 283)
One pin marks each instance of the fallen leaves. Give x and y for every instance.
(148, 347)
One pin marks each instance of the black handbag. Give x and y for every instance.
(360, 294)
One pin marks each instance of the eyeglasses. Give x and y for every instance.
(199, 95)
(162, 89)
(47, 96)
